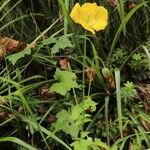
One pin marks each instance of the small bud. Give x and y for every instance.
(106, 72)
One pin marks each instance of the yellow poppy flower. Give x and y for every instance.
(90, 16)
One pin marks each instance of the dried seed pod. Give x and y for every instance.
(45, 93)
(90, 74)
(109, 78)
(111, 82)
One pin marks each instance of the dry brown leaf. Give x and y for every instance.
(20, 109)
(2, 52)
(145, 124)
(2, 114)
(63, 62)
(144, 95)
(45, 93)
(130, 5)
(8, 43)
(2, 100)
(42, 109)
(51, 118)
(11, 45)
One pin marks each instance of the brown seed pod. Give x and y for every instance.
(111, 82)
(90, 74)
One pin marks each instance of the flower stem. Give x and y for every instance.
(83, 75)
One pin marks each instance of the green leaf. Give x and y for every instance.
(89, 144)
(62, 119)
(85, 144)
(49, 40)
(88, 104)
(67, 80)
(64, 123)
(62, 43)
(60, 88)
(15, 57)
(72, 121)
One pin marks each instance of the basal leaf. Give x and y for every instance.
(66, 81)
(62, 119)
(15, 57)
(72, 121)
(59, 88)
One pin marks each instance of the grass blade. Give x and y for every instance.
(106, 118)
(17, 141)
(4, 4)
(118, 95)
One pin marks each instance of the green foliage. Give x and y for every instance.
(60, 43)
(89, 144)
(137, 63)
(15, 57)
(88, 104)
(66, 81)
(128, 92)
(72, 121)
(118, 57)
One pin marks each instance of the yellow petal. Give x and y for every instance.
(99, 25)
(101, 13)
(87, 26)
(99, 21)
(90, 16)
(79, 17)
(89, 9)
(75, 13)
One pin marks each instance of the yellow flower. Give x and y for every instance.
(90, 16)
